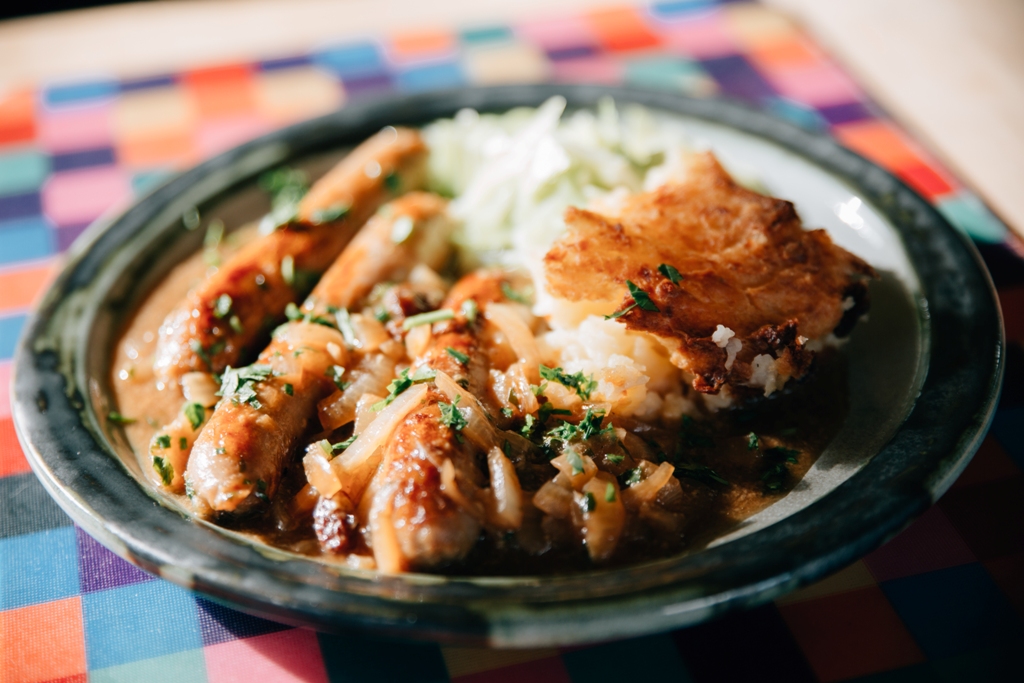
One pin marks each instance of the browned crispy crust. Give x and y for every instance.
(746, 263)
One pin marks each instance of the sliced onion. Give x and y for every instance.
(371, 376)
(305, 500)
(646, 490)
(200, 387)
(519, 336)
(450, 488)
(505, 490)
(370, 332)
(319, 473)
(602, 525)
(375, 436)
(386, 551)
(479, 429)
(365, 414)
(417, 340)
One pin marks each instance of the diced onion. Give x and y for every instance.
(647, 489)
(505, 490)
(519, 336)
(319, 473)
(602, 525)
(554, 500)
(578, 472)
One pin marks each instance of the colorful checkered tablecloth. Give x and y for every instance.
(944, 601)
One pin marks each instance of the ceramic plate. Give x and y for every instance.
(925, 371)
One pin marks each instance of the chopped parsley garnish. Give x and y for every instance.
(507, 412)
(222, 306)
(240, 384)
(286, 187)
(590, 425)
(163, 441)
(392, 181)
(700, 473)
(429, 318)
(190, 219)
(614, 458)
(119, 419)
(575, 461)
(633, 476)
(641, 300)
(334, 213)
(547, 409)
(292, 312)
(182, 443)
(513, 295)
(752, 441)
(401, 383)
(670, 272)
(565, 431)
(381, 314)
(538, 389)
(236, 324)
(164, 469)
(345, 326)
(528, 426)
(589, 502)
(457, 355)
(583, 385)
(195, 413)
(288, 270)
(775, 477)
(470, 310)
(289, 389)
(342, 445)
(609, 493)
(450, 415)
(335, 372)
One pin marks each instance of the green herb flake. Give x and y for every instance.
(457, 355)
(330, 215)
(381, 315)
(239, 385)
(164, 469)
(701, 473)
(196, 414)
(292, 312)
(507, 412)
(469, 310)
(752, 441)
(347, 329)
(342, 445)
(609, 493)
(289, 389)
(583, 385)
(615, 459)
(222, 306)
(642, 299)
(450, 415)
(775, 477)
(288, 270)
(671, 273)
(236, 324)
(634, 476)
(401, 383)
(589, 502)
(566, 431)
(513, 295)
(392, 181)
(528, 426)
(335, 372)
(286, 187)
(182, 443)
(575, 461)
(119, 419)
(162, 441)
(429, 318)
(590, 425)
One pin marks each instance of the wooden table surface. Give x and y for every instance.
(952, 71)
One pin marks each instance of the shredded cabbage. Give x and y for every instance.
(513, 174)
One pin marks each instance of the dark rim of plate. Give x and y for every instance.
(957, 400)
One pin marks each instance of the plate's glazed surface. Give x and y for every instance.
(925, 372)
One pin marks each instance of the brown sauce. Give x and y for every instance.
(724, 477)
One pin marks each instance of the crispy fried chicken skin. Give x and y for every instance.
(744, 262)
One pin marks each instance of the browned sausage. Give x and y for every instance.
(223, 316)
